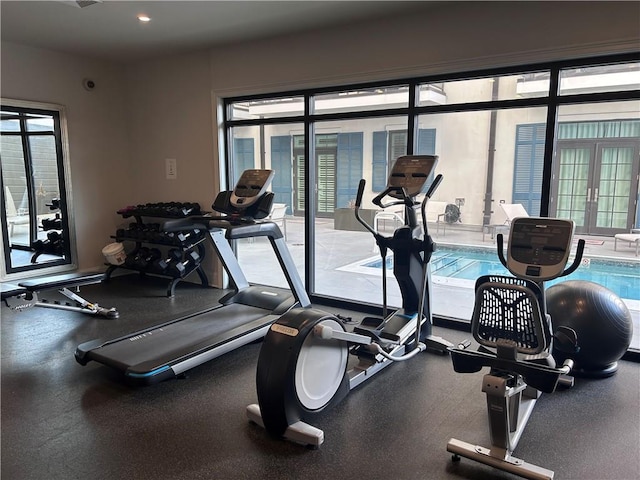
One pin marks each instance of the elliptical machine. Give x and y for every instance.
(515, 335)
(302, 367)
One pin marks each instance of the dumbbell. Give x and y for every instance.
(52, 223)
(192, 236)
(140, 259)
(54, 236)
(179, 268)
(191, 208)
(152, 255)
(134, 231)
(160, 264)
(54, 205)
(150, 232)
(185, 209)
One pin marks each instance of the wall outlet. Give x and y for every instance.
(171, 167)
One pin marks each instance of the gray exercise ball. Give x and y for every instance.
(601, 321)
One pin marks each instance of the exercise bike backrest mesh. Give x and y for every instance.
(508, 308)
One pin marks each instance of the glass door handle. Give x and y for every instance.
(589, 194)
(595, 195)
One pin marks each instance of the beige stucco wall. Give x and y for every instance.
(453, 36)
(99, 153)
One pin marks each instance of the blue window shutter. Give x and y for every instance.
(282, 185)
(528, 165)
(243, 157)
(379, 162)
(348, 167)
(426, 141)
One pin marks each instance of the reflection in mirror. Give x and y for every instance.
(35, 224)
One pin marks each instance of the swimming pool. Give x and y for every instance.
(623, 278)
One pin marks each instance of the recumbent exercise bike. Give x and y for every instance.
(515, 335)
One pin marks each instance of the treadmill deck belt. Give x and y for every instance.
(172, 342)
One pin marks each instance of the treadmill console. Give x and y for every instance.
(250, 199)
(411, 172)
(539, 247)
(250, 187)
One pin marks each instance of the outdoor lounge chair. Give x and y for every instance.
(633, 237)
(14, 216)
(513, 210)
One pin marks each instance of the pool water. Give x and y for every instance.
(623, 278)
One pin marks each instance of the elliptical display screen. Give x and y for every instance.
(539, 247)
(411, 173)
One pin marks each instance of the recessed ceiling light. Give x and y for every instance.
(144, 18)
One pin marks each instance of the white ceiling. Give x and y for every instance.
(110, 29)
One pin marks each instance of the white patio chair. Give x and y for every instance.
(14, 216)
(513, 210)
(632, 237)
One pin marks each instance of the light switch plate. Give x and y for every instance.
(171, 168)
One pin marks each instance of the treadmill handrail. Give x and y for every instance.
(260, 229)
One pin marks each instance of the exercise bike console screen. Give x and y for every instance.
(539, 247)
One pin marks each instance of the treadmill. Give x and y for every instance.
(243, 316)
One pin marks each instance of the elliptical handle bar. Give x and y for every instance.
(360, 192)
(361, 185)
(434, 185)
(432, 188)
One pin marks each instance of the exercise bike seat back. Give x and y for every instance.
(508, 308)
(508, 321)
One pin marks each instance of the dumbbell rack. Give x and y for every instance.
(144, 235)
(55, 243)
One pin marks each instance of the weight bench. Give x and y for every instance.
(25, 294)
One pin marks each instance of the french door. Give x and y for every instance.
(326, 156)
(595, 183)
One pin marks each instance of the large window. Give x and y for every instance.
(560, 140)
(272, 146)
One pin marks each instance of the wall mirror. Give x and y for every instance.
(34, 189)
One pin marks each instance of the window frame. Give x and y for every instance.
(552, 101)
(60, 134)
